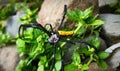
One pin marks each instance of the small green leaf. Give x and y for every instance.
(102, 64)
(58, 65)
(43, 60)
(40, 68)
(76, 58)
(84, 67)
(70, 67)
(118, 10)
(58, 57)
(103, 55)
(20, 43)
(88, 12)
(97, 22)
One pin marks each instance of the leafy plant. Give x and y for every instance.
(6, 11)
(4, 37)
(86, 21)
(30, 15)
(36, 53)
(115, 6)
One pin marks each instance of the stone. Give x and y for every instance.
(113, 48)
(8, 58)
(105, 2)
(111, 29)
(12, 23)
(52, 10)
(114, 59)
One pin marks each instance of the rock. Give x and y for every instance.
(94, 67)
(114, 59)
(105, 2)
(111, 28)
(113, 48)
(12, 23)
(52, 10)
(8, 58)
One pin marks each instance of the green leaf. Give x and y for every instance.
(40, 68)
(58, 56)
(43, 60)
(74, 15)
(70, 67)
(103, 55)
(84, 67)
(88, 12)
(84, 51)
(76, 58)
(118, 10)
(20, 43)
(102, 64)
(21, 46)
(58, 65)
(97, 22)
(95, 41)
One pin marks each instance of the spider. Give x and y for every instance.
(54, 36)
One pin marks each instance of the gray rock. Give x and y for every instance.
(111, 28)
(113, 48)
(105, 2)
(114, 59)
(8, 58)
(12, 23)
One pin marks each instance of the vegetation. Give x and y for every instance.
(4, 37)
(9, 9)
(116, 6)
(36, 53)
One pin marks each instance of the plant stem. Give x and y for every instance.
(90, 60)
(77, 29)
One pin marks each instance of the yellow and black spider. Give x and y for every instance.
(54, 36)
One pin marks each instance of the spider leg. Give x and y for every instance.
(37, 26)
(62, 69)
(65, 11)
(24, 26)
(54, 54)
(51, 29)
(82, 42)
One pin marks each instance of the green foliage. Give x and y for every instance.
(84, 20)
(15, 5)
(30, 15)
(103, 55)
(36, 49)
(102, 64)
(76, 58)
(6, 11)
(115, 6)
(37, 53)
(5, 38)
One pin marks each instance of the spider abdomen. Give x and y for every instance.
(65, 33)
